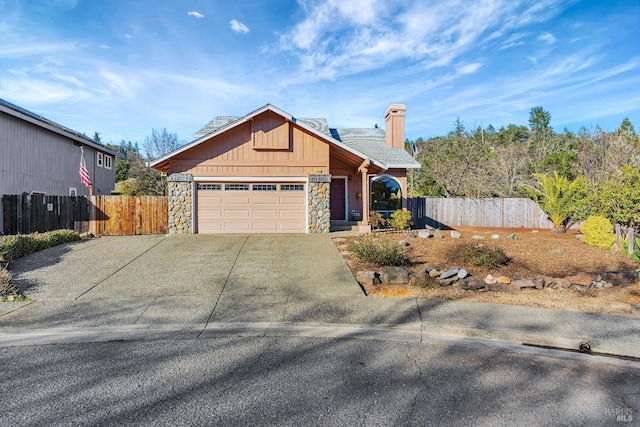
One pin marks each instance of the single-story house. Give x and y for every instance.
(270, 172)
(40, 156)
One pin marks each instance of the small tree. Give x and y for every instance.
(559, 198)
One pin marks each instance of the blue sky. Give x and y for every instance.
(124, 67)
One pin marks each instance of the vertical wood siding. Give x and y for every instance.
(232, 153)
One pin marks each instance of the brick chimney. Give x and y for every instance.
(394, 125)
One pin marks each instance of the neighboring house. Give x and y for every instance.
(43, 157)
(269, 172)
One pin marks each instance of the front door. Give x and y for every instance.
(338, 200)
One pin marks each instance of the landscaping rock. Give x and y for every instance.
(340, 240)
(620, 278)
(437, 234)
(394, 275)
(503, 287)
(583, 279)
(512, 236)
(403, 243)
(489, 280)
(504, 279)
(449, 273)
(411, 235)
(424, 234)
(524, 283)
(448, 281)
(495, 236)
(462, 274)
(434, 273)
(561, 283)
(538, 283)
(472, 284)
(477, 237)
(607, 285)
(557, 252)
(455, 234)
(368, 278)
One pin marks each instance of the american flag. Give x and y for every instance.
(84, 173)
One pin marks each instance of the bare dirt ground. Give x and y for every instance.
(531, 255)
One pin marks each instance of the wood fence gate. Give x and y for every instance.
(125, 215)
(100, 215)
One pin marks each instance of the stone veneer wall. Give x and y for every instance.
(319, 207)
(180, 201)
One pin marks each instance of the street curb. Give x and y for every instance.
(411, 333)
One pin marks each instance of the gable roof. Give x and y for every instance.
(366, 142)
(26, 115)
(221, 124)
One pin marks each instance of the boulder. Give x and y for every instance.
(512, 236)
(504, 279)
(394, 275)
(424, 234)
(472, 284)
(538, 283)
(477, 237)
(620, 278)
(368, 278)
(583, 279)
(561, 283)
(449, 273)
(495, 236)
(524, 283)
(455, 234)
(448, 281)
(410, 234)
(434, 273)
(489, 280)
(437, 234)
(462, 274)
(503, 287)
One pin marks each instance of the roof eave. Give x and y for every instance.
(57, 128)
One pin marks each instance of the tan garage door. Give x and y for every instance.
(251, 208)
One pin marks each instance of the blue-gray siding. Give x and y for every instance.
(35, 159)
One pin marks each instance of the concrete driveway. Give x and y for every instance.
(186, 279)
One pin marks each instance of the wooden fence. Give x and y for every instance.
(445, 213)
(100, 215)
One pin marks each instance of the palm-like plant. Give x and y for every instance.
(558, 197)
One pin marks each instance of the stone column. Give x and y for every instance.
(319, 190)
(180, 202)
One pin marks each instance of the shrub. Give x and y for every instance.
(377, 251)
(598, 231)
(400, 219)
(376, 220)
(14, 247)
(483, 256)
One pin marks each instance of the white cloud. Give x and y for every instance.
(238, 27)
(30, 91)
(547, 38)
(469, 68)
(129, 36)
(195, 14)
(105, 46)
(339, 38)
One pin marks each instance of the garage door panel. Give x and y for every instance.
(246, 211)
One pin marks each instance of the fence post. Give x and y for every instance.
(630, 237)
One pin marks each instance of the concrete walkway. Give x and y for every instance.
(142, 287)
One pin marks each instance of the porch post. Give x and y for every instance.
(364, 171)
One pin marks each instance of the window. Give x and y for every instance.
(108, 161)
(291, 187)
(73, 191)
(264, 187)
(386, 195)
(213, 187)
(242, 187)
(100, 159)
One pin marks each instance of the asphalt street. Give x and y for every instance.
(294, 381)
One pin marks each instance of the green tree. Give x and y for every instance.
(618, 198)
(561, 199)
